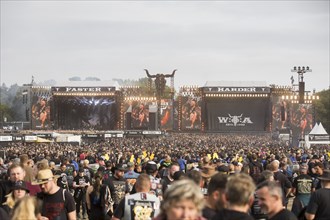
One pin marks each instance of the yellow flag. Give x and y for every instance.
(132, 159)
(240, 159)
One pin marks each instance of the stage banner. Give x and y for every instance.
(191, 113)
(237, 114)
(140, 115)
(166, 112)
(40, 112)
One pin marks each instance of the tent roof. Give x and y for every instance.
(42, 140)
(314, 128)
(319, 130)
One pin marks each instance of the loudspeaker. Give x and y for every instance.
(128, 120)
(301, 92)
(152, 121)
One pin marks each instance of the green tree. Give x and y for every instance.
(12, 103)
(5, 113)
(322, 109)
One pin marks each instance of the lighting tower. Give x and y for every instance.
(301, 71)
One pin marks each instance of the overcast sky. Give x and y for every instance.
(204, 40)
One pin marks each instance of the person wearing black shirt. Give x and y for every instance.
(80, 184)
(239, 195)
(62, 181)
(319, 204)
(215, 191)
(283, 180)
(302, 187)
(118, 185)
(57, 203)
(16, 173)
(270, 200)
(98, 199)
(168, 179)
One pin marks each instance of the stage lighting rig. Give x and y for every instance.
(301, 71)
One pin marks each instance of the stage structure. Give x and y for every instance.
(297, 109)
(138, 109)
(236, 107)
(86, 107)
(189, 109)
(222, 106)
(164, 114)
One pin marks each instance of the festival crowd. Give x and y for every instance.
(173, 177)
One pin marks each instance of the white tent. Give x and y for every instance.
(320, 130)
(313, 131)
(318, 135)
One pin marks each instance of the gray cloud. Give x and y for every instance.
(205, 41)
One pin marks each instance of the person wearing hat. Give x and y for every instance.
(18, 191)
(319, 204)
(302, 187)
(16, 173)
(118, 185)
(107, 173)
(80, 184)
(57, 203)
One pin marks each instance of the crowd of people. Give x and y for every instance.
(173, 177)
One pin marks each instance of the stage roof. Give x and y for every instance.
(235, 84)
(109, 83)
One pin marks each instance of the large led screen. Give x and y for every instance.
(295, 117)
(191, 113)
(281, 113)
(237, 114)
(140, 114)
(40, 112)
(80, 112)
(301, 119)
(166, 114)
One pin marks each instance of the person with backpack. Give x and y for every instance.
(57, 203)
(98, 199)
(255, 168)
